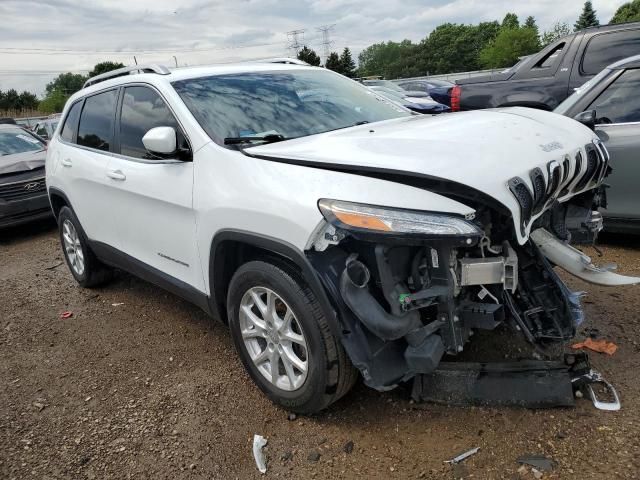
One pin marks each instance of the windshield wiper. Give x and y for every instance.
(272, 137)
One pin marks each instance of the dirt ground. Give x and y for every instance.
(139, 384)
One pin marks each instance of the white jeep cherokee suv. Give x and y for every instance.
(335, 233)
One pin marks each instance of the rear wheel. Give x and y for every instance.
(284, 341)
(83, 264)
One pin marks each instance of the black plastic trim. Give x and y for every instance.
(115, 258)
(279, 247)
(448, 188)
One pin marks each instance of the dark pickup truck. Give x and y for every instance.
(545, 79)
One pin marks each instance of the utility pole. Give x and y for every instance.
(326, 40)
(294, 37)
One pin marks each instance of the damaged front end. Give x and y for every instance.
(412, 287)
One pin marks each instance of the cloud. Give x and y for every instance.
(209, 31)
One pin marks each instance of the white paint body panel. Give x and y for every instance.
(480, 149)
(177, 209)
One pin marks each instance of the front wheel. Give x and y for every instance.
(284, 340)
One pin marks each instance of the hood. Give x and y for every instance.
(22, 162)
(479, 149)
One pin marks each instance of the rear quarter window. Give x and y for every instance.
(606, 48)
(71, 122)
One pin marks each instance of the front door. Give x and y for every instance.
(151, 197)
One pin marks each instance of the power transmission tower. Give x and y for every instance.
(295, 43)
(326, 43)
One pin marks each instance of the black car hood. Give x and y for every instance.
(22, 162)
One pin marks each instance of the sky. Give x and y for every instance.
(41, 38)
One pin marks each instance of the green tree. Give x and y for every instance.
(629, 12)
(67, 83)
(558, 31)
(333, 62)
(509, 45)
(587, 18)
(309, 56)
(510, 20)
(347, 63)
(104, 67)
(27, 101)
(53, 102)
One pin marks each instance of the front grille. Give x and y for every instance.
(555, 178)
(566, 166)
(524, 199)
(23, 189)
(592, 168)
(539, 189)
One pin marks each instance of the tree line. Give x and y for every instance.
(453, 47)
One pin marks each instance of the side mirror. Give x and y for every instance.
(587, 118)
(160, 140)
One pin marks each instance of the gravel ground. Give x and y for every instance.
(139, 384)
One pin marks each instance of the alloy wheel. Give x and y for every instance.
(72, 247)
(274, 338)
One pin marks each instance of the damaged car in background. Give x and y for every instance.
(334, 232)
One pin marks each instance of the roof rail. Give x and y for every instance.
(284, 60)
(158, 69)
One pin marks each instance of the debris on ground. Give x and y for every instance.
(54, 266)
(539, 462)
(463, 456)
(348, 447)
(117, 304)
(601, 346)
(313, 456)
(66, 315)
(258, 443)
(291, 417)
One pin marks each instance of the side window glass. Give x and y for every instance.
(620, 102)
(142, 110)
(71, 122)
(550, 59)
(606, 48)
(96, 121)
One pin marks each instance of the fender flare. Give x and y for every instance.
(279, 247)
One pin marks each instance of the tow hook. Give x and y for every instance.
(587, 381)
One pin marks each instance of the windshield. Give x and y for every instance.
(390, 94)
(288, 103)
(16, 140)
(568, 104)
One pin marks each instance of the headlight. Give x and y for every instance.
(389, 220)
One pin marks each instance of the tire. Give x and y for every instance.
(93, 272)
(329, 373)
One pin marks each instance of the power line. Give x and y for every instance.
(69, 51)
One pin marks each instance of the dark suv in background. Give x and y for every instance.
(545, 79)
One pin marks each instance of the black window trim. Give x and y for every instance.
(168, 105)
(596, 35)
(116, 126)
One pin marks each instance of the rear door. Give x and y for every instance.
(86, 142)
(151, 197)
(618, 113)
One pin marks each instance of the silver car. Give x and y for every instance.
(609, 103)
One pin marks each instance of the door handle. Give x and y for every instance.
(66, 162)
(116, 175)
